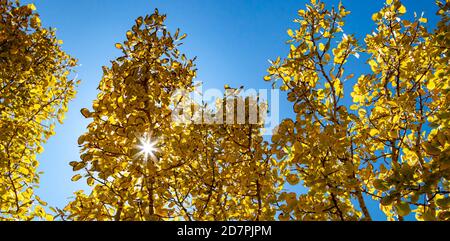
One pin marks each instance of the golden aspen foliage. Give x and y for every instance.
(438, 142)
(399, 103)
(142, 165)
(132, 112)
(231, 172)
(35, 89)
(392, 143)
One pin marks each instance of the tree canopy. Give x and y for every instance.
(391, 144)
(35, 88)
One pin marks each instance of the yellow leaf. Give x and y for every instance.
(86, 113)
(423, 20)
(290, 33)
(76, 178)
(373, 65)
(90, 181)
(119, 46)
(182, 37)
(292, 179)
(321, 47)
(387, 200)
(374, 132)
(60, 119)
(431, 85)
(35, 21)
(393, 134)
(81, 139)
(376, 16)
(79, 166)
(23, 170)
(129, 34)
(31, 6)
(338, 87)
(41, 202)
(49, 217)
(389, 2)
(428, 215)
(293, 48)
(380, 185)
(403, 209)
(402, 9)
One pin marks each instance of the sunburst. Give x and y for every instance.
(148, 147)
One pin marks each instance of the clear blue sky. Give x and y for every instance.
(233, 40)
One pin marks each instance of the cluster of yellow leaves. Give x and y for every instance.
(34, 91)
(397, 104)
(198, 171)
(393, 145)
(315, 147)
